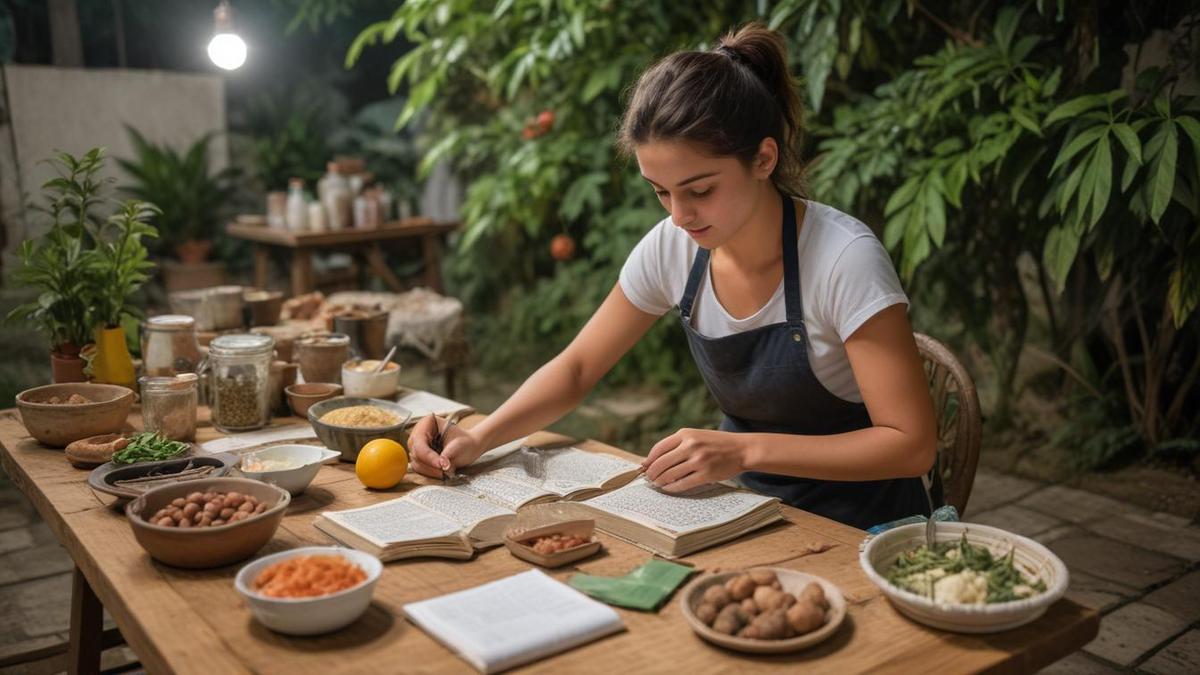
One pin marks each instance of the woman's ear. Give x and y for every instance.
(765, 159)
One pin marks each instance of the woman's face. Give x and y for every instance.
(708, 197)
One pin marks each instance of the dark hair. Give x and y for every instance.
(726, 100)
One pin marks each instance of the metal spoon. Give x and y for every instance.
(383, 364)
(930, 525)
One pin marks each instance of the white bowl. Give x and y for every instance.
(305, 461)
(370, 385)
(310, 616)
(1033, 560)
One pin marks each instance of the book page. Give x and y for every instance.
(515, 620)
(560, 470)
(495, 488)
(695, 509)
(464, 508)
(394, 521)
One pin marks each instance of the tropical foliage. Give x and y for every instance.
(1034, 173)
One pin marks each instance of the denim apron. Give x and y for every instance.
(763, 382)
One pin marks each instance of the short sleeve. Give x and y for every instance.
(642, 277)
(862, 283)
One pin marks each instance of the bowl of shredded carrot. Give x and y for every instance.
(311, 590)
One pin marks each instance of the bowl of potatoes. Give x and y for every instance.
(764, 610)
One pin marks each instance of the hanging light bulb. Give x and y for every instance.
(226, 49)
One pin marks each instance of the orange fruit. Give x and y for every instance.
(381, 464)
(562, 247)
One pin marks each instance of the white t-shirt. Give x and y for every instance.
(846, 278)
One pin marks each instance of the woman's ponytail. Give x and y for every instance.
(728, 100)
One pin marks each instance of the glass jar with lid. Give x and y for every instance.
(169, 345)
(169, 405)
(239, 384)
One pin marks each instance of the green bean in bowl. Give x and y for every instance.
(962, 572)
(149, 447)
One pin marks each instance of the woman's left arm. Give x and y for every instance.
(900, 443)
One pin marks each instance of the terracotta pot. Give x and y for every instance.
(193, 251)
(65, 368)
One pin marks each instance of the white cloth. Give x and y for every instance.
(846, 277)
(418, 318)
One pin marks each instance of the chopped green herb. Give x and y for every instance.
(148, 447)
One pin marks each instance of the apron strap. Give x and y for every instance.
(699, 267)
(791, 269)
(791, 274)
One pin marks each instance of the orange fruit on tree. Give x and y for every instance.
(381, 464)
(562, 247)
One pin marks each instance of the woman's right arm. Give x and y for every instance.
(549, 394)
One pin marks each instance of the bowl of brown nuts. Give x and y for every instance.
(764, 610)
(208, 522)
(554, 545)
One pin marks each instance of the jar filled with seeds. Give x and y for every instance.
(169, 405)
(240, 374)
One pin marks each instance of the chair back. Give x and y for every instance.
(959, 421)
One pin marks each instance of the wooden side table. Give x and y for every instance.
(365, 243)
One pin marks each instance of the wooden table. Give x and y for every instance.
(194, 621)
(367, 243)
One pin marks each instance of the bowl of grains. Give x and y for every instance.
(310, 590)
(346, 423)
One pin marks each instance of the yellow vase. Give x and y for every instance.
(112, 363)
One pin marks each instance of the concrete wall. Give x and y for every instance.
(71, 109)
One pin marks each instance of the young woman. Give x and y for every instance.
(792, 309)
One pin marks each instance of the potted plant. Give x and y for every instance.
(84, 268)
(118, 265)
(191, 198)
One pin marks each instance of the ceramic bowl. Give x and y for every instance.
(301, 397)
(879, 553)
(291, 467)
(349, 440)
(204, 547)
(57, 425)
(793, 582)
(310, 616)
(368, 384)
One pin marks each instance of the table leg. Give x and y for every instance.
(302, 273)
(87, 627)
(431, 249)
(262, 266)
(378, 265)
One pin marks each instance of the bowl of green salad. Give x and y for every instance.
(975, 579)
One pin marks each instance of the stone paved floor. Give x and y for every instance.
(1141, 569)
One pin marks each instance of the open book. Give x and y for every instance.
(514, 620)
(474, 511)
(676, 525)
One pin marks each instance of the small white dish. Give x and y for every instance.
(291, 467)
(367, 384)
(1033, 560)
(310, 616)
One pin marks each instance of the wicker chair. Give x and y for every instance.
(956, 407)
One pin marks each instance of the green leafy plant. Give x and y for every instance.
(192, 198)
(86, 267)
(1023, 185)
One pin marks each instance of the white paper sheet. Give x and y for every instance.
(515, 620)
(252, 439)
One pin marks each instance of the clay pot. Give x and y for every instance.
(66, 368)
(57, 425)
(193, 251)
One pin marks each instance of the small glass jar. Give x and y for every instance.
(321, 357)
(169, 405)
(240, 378)
(169, 345)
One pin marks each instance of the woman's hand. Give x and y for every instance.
(459, 447)
(693, 457)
